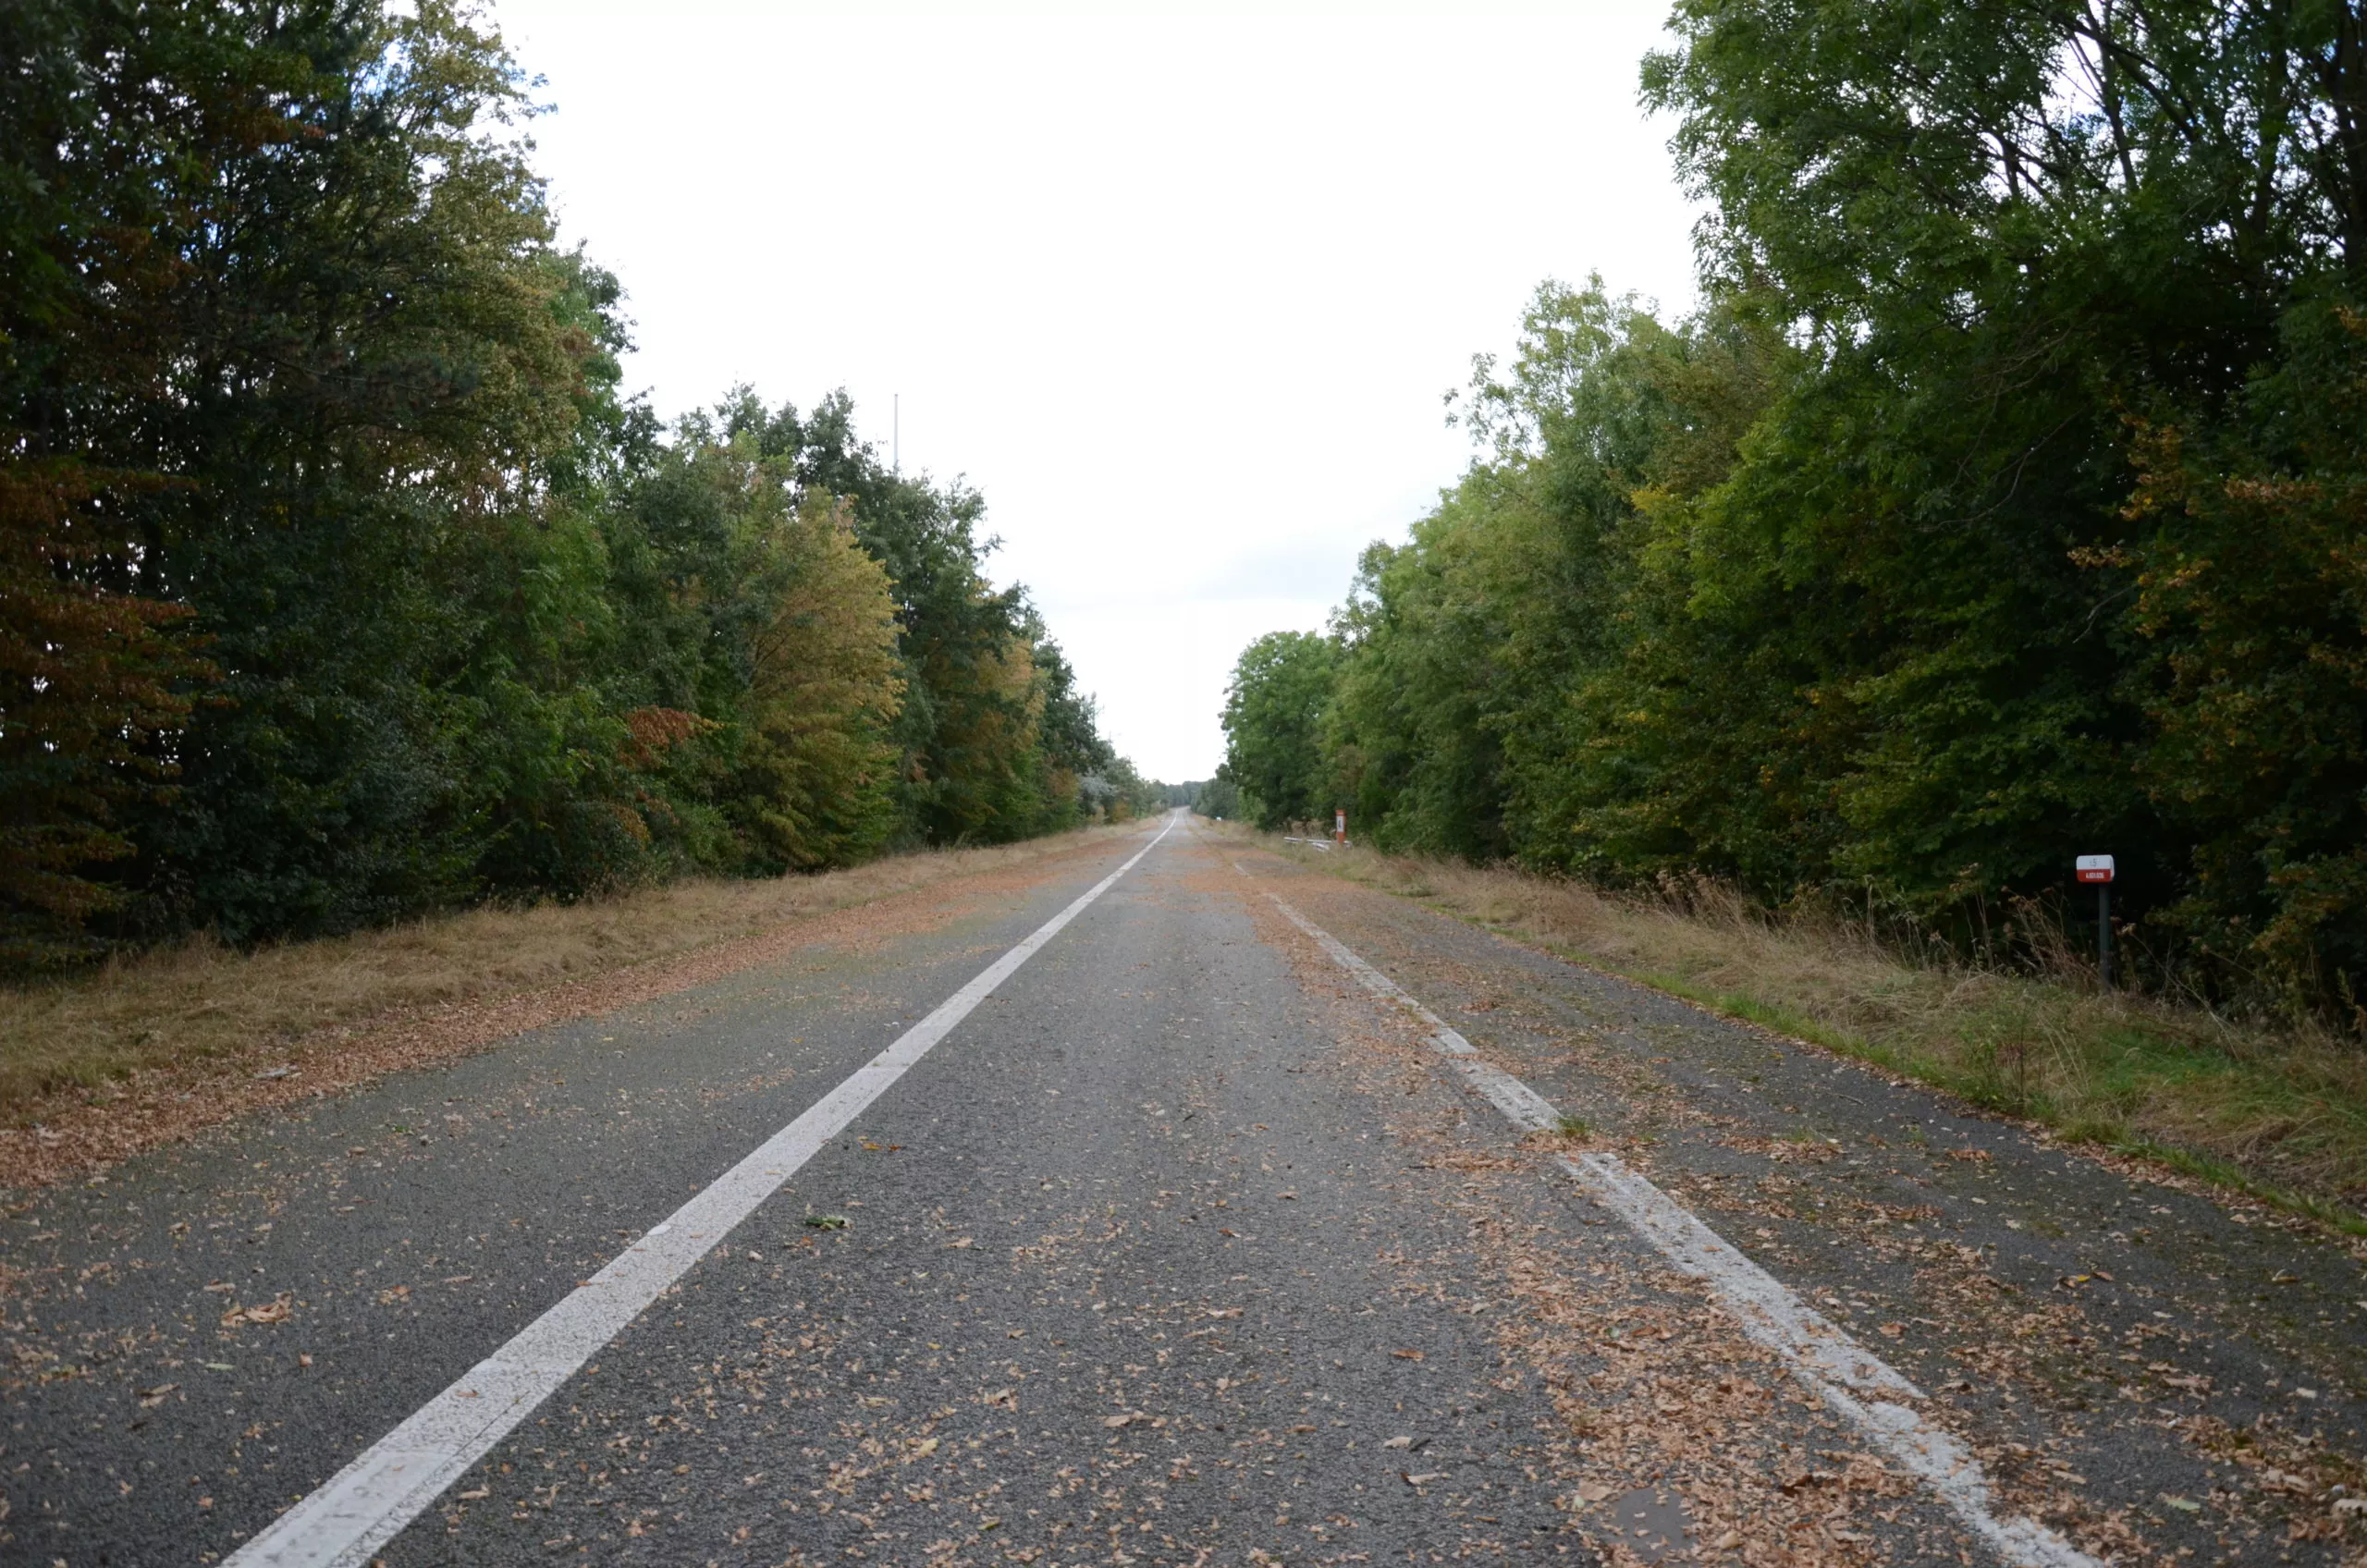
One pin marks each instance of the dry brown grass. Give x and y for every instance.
(181, 1007)
(2281, 1111)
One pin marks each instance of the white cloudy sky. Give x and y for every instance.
(1179, 287)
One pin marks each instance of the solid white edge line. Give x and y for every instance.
(1850, 1379)
(370, 1502)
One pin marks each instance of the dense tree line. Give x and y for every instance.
(2002, 501)
(339, 582)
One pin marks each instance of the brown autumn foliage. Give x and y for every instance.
(89, 688)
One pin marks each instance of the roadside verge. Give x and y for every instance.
(2278, 1115)
(155, 1048)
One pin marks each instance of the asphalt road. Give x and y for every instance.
(1184, 1246)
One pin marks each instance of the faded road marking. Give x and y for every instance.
(369, 1502)
(1849, 1378)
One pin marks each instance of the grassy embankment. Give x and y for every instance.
(71, 1040)
(2278, 1113)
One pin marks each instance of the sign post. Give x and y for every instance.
(2098, 869)
(1340, 828)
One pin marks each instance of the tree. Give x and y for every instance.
(2024, 246)
(1999, 504)
(1273, 716)
(90, 681)
(338, 583)
(823, 698)
(1219, 799)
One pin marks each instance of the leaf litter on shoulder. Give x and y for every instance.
(2277, 1111)
(152, 1048)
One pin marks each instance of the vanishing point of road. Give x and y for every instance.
(1167, 1201)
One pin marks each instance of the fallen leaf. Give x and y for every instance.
(476, 1494)
(1426, 1478)
(274, 1311)
(155, 1396)
(1399, 1442)
(828, 1221)
(1406, 1354)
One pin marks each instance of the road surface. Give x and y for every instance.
(1174, 1204)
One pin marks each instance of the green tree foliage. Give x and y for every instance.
(1219, 798)
(338, 583)
(996, 739)
(2002, 502)
(1273, 715)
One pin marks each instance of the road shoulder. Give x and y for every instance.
(2138, 1366)
(73, 1133)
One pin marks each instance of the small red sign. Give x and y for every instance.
(2093, 868)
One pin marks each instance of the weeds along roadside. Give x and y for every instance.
(2277, 1113)
(199, 1007)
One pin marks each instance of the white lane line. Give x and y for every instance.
(1851, 1380)
(367, 1503)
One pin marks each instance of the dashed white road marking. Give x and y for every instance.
(367, 1503)
(1850, 1379)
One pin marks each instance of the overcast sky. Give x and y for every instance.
(1179, 287)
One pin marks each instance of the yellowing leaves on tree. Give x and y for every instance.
(823, 692)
